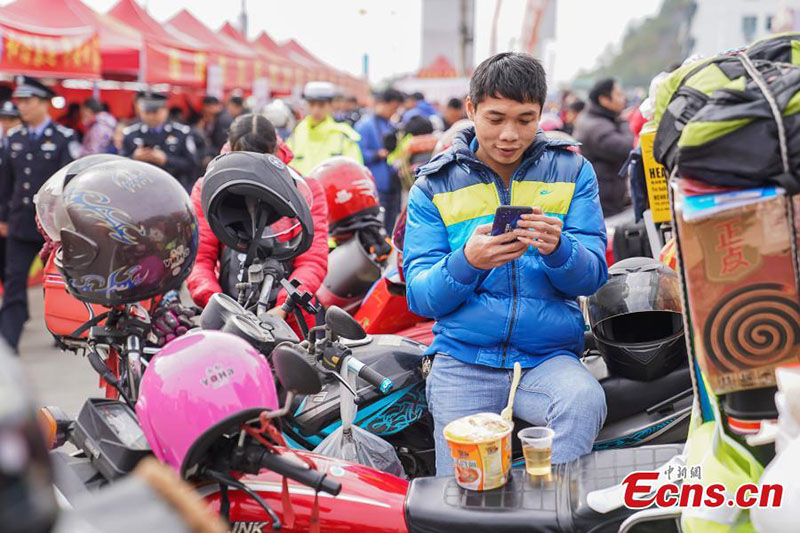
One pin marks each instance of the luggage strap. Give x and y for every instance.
(787, 179)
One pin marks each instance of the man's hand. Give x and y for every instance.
(277, 311)
(383, 153)
(3, 229)
(143, 154)
(486, 252)
(158, 157)
(540, 231)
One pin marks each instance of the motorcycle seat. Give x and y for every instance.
(554, 503)
(626, 397)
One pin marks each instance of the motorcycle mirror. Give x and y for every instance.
(219, 308)
(343, 325)
(294, 372)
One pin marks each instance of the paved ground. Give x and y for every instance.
(59, 378)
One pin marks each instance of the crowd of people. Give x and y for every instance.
(327, 124)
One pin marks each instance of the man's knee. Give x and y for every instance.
(586, 398)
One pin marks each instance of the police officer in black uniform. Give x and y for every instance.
(9, 119)
(35, 151)
(164, 143)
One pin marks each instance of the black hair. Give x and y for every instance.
(455, 103)
(209, 99)
(237, 100)
(94, 105)
(601, 88)
(176, 114)
(391, 95)
(253, 133)
(417, 96)
(512, 75)
(418, 125)
(577, 105)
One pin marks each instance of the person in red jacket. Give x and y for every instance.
(254, 133)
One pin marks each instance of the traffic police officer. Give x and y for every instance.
(318, 137)
(35, 151)
(156, 140)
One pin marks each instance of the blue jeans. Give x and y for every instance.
(559, 393)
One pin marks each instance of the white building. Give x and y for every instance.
(720, 25)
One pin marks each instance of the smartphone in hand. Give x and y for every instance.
(507, 216)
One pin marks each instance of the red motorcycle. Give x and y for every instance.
(241, 466)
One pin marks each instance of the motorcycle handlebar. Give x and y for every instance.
(266, 290)
(300, 473)
(370, 375)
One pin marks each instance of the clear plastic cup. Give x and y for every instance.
(537, 446)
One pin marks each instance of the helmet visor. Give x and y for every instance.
(49, 202)
(636, 292)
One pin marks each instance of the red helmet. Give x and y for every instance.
(351, 194)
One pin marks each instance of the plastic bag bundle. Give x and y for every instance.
(360, 446)
(351, 443)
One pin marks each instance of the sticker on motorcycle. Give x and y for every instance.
(120, 280)
(131, 181)
(177, 257)
(216, 376)
(97, 206)
(250, 527)
(277, 163)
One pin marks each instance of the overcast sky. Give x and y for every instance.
(341, 31)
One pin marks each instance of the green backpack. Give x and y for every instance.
(688, 88)
(734, 140)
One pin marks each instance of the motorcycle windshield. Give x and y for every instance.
(635, 293)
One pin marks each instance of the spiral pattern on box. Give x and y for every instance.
(754, 326)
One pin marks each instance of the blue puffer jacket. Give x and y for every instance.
(525, 310)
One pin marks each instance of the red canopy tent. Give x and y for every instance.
(298, 54)
(41, 37)
(168, 56)
(240, 65)
(276, 63)
(440, 67)
(284, 74)
(322, 70)
(120, 45)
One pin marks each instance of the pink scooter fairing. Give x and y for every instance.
(213, 379)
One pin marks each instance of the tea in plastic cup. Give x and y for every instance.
(537, 446)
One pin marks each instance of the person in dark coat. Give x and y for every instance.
(161, 142)
(9, 119)
(36, 150)
(607, 140)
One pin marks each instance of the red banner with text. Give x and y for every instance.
(58, 56)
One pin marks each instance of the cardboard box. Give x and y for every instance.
(739, 269)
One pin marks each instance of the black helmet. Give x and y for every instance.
(27, 499)
(247, 194)
(128, 232)
(636, 319)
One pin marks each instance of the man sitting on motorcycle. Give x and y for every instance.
(254, 133)
(508, 298)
